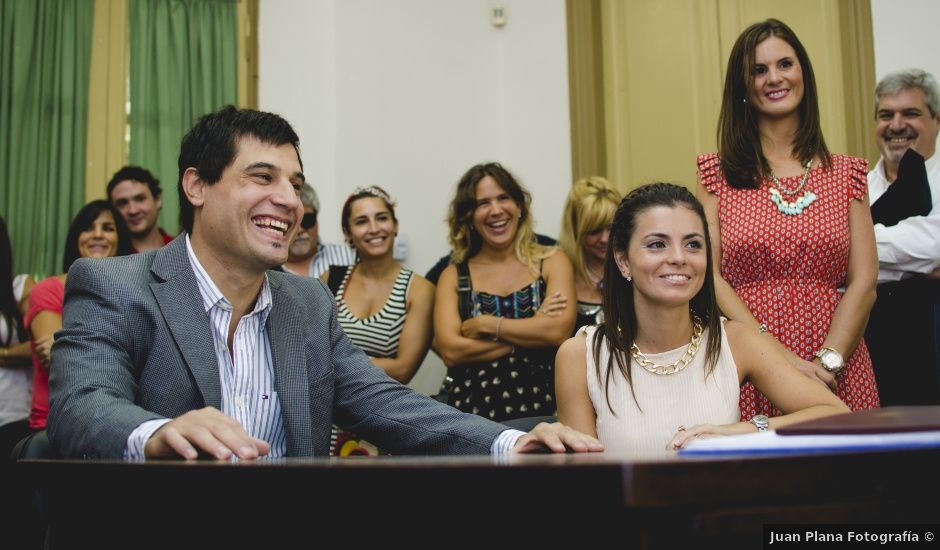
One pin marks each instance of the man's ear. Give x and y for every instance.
(194, 187)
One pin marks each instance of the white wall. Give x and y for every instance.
(906, 35)
(408, 94)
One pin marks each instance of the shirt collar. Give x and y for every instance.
(212, 296)
(929, 164)
(880, 169)
(932, 162)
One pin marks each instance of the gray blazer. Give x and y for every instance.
(136, 345)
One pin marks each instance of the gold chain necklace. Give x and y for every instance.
(679, 363)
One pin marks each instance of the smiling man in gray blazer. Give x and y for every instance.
(197, 349)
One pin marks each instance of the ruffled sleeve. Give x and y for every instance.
(709, 172)
(858, 178)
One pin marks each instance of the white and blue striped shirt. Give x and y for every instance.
(331, 254)
(327, 255)
(247, 374)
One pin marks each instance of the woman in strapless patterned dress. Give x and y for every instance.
(506, 303)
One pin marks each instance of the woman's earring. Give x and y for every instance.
(629, 278)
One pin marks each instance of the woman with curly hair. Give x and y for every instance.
(502, 308)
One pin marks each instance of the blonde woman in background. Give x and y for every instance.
(585, 230)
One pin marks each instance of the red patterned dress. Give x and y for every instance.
(788, 268)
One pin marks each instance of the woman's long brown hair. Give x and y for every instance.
(620, 321)
(742, 156)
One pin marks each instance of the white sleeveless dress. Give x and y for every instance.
(643, 427)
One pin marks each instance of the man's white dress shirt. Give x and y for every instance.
(913, 245)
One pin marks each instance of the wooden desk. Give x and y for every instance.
(664, 503)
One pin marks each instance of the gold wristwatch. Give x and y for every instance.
(831, 360)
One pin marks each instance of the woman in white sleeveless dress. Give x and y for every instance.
(665, 367)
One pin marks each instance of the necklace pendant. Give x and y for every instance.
(794, 207)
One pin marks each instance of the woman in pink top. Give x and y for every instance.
(98, 231)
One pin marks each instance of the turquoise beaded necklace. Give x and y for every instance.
(779, 193)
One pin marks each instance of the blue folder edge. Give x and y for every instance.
(769, 443)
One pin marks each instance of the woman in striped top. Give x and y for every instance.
(383, 307)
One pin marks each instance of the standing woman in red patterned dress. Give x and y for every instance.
(789, 220)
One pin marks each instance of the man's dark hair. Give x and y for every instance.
(212, 143)
(135, 173)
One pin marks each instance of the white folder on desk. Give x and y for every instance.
(770, 443)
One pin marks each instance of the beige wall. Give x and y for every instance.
(663, 72)
(408, 94)
(906, 35)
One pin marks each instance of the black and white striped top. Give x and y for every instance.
(378, 334)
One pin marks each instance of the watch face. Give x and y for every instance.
(761, 421)
(831, 361)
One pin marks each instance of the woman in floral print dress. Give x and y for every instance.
(790, 220)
